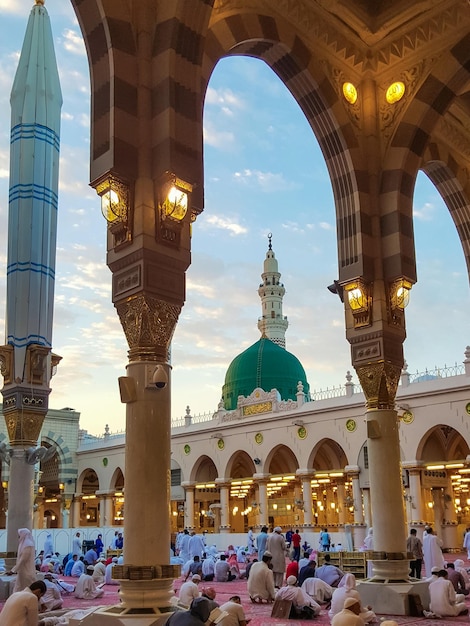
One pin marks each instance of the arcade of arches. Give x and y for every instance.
(280, 471)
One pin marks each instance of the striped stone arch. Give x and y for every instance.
(67, 470)
(442, 170)
(273, 41)
(123, 116)
(405, 156)
(111, 50)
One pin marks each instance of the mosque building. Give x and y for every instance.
(272, 453)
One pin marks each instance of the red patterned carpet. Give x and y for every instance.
(259, 614)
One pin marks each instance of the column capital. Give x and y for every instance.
(188, 485)
(304, 474)
(413, 466)
(223, 482)
(352, 470)
(261, 478)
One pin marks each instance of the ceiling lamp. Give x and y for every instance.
(395, 92)
(349, 93)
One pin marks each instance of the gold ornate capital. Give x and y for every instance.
(149, 324)
(379, 382)
(24, 426)
(6, 363)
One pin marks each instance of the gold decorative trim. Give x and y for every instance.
(379, 382)
(256, 409)
(24, 427)
(148, 324)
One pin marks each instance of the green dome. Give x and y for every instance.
(263, 365)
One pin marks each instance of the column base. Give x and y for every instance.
(145, 601)
(224, 530)
(392, 598)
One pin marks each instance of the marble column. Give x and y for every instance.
(367, 507)
(262, 480)
(342, 508)
(306, 478)
(416, 502)
(188, 505)
(224, 505)
(76, 510)
(353, 473)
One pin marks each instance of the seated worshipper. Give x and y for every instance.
(195, 567)
(248, 567)
(91, 556)
(460, 567)
(78, 568)
(86, 588)
(197, 614)
(261, 580)
(443, 600)
(318, 589)
(208, 565)
(241, 554)
(303, 606)
(51, 600)
(235, 613)
(347, 589)
(222, 571)
(292, 569)
(349, 615)
(38, 560)
(189, 590)
(305, 559)
(329, 572)
(108, 577)
(456, 579)
(22, 607)
(234, 567)
(70, 563)
(308, 571)
(46, 565)
(209, 593)
(99, 572)
(434, 572)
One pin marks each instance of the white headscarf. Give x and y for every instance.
(348, 582)
(26, 540)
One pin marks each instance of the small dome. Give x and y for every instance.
(267, 366)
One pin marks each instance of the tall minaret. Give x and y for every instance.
(26, 359)
(272, 324)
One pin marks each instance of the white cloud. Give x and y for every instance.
(73, 42)
(266, 181)
(218, 138)
(223, 223)
(425, 212)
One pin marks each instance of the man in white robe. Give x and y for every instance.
(317, 589)
(443, 600)
(86, 588)
(99, 572)
(297, 596)
(261, 581)
(108, 577)
(432, 552)
(276, 545)
(197, 546)
(466, 542)
(52, 599)
(22, 607)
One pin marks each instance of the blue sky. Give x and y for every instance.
(263, 173)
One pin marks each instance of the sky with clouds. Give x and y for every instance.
(263, 173)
